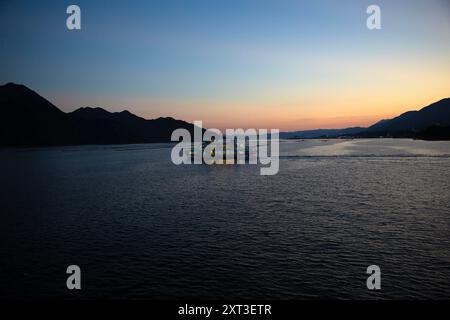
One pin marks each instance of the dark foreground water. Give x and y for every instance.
(141, 227)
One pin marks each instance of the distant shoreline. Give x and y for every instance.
(170, 143)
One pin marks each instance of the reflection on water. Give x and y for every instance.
(367, 147)
(141, 227)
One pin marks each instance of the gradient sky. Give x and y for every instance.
(250, 63)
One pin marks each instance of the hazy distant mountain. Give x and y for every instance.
(320, 133)
(27, 119)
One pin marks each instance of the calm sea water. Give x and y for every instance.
(141, 227)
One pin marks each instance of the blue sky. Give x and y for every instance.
(288, 64)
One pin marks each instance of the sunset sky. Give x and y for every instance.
(283, 64)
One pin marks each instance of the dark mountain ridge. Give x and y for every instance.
(430, 123)
(27, 119)
(437, 113)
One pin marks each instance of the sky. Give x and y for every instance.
(286, 64)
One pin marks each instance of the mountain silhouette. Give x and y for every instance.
(435, 132)
(430, 123)
(27, 119)
(437, 113)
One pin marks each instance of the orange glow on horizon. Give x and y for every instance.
(354, 93)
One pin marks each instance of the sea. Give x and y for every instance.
(140, 227)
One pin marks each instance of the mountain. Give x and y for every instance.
(321, 133)
(27, 119)
(412, 122)
(435, 132)
(98, 126)
(430, 123)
